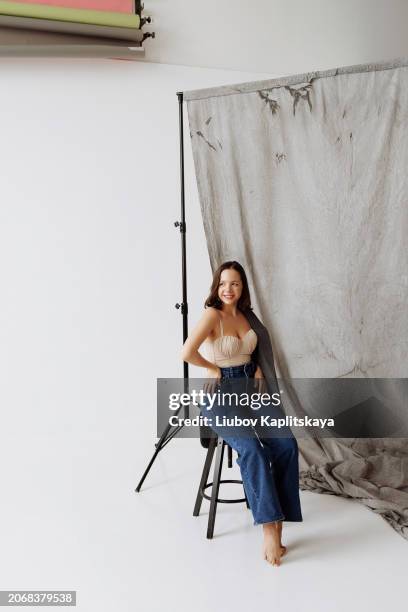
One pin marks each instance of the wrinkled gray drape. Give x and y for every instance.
(304, 181)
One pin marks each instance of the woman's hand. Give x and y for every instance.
(259, 380)
(213, 379)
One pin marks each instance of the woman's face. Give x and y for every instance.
(230, 287)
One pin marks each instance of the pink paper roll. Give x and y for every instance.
(115, 6)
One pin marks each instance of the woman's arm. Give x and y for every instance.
(259, 380)
(200, 332)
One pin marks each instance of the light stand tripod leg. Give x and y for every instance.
(164, 439)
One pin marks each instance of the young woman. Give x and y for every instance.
(269, 466)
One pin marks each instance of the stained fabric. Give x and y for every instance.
(303, 180)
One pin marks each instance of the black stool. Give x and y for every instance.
(219, 444)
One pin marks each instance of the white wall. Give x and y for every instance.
(279, 36)
(90, 259)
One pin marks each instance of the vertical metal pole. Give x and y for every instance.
(182, 225)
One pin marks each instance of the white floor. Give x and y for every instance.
(70, 519)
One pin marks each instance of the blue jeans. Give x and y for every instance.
(269, 466)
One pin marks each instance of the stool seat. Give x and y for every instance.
(215, 443)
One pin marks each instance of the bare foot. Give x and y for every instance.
(272, 549)
(283, 548)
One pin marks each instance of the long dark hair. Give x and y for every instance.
(244, 301)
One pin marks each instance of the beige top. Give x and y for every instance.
(232, 351)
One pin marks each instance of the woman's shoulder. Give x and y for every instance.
(210, 318)
(211, 314)
(211, 311)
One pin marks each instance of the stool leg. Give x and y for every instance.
(204, 476)
(215, 487)
(229, 457)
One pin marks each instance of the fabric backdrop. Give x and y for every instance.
(303, 180)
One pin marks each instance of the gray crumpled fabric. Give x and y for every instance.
(371, 471)
(303, 180)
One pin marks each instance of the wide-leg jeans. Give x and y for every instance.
(269, 465)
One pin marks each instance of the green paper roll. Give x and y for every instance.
(57, 13)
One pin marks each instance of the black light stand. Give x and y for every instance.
(170, 431)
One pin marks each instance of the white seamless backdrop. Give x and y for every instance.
(89, 275)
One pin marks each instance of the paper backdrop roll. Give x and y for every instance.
(18, 9)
